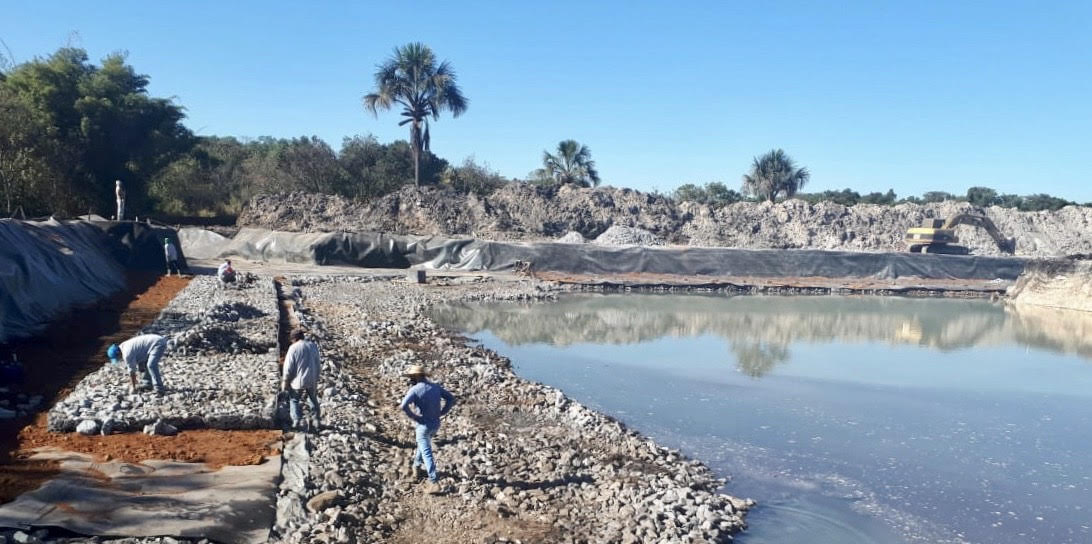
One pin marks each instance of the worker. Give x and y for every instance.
(225, 273)
(427, 397)
(171, 253)
(119, 192)
(141, 354)
(301, 373)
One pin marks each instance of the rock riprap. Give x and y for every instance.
(518, 461)
(220, 368)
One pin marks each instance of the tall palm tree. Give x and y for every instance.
(413, 80)
(772, 174)
(572, 164)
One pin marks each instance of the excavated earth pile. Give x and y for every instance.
(527, 212)
(1057, 284)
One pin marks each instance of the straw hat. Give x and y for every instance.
(415, 370)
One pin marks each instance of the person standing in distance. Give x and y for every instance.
(171, 253)
(427, 397)
(119, 192)
(301, 373)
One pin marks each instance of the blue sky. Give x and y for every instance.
(913, 96)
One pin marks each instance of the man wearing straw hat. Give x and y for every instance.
(427, 396)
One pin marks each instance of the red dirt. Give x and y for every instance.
(72, 347)
(75, 344)
(210, 446)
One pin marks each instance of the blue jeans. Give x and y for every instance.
(150, 369)
(294, 398)
(424, 449)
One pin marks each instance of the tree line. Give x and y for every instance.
(718, 194)
(69, 128)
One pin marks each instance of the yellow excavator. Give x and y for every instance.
(938, 235)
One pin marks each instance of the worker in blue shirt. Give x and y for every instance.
(427, 397)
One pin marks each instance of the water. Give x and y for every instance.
(849, 419)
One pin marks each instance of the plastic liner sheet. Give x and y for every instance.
(590, 259)
(393, 251)
(154, 498)
(368, 250)
(139, 246)
(49, 267)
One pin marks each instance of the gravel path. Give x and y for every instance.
(519, 461)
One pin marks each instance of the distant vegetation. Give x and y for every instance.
(774, 174)
(69, 128)
(413, 80)
(572, 164)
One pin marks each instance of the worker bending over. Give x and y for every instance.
(225, 273)
(141, 354)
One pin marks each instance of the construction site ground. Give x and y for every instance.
(73, 346)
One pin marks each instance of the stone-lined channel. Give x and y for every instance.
(849, 419)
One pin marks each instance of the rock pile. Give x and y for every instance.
(519, 461)
(628, 236)
(526, 212)
(220, 369)
(571, 237)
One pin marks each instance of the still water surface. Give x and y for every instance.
(849, 419)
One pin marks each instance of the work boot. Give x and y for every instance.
(433, 488)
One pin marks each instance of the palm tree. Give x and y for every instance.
(412, 79)
(572, 164)
(772, 174)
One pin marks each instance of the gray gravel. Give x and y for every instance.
(627, 236)
(519, 461)
(512, 455)
(220, 368)
(572, 237)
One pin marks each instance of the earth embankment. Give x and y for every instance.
(528, 212)
(1063, 283)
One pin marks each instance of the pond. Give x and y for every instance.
(849, 419)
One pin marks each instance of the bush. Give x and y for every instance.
(713, 194)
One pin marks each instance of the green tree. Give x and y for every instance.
(572, 164)
(774, 174)
(982, 196)
(423, 88)
(885, 199)
(471, 177)
(1008, 200)
(1041, 201)
(22, 167)
(97, 124)
(937, 196)
(375, 169)
(690, 193)
(713, 193)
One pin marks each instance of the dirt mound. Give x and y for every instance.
(572, 237)
(1056, 284)
(528, 212)
(627, 236)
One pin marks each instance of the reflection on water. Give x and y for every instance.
(850, 419)
(760, 329)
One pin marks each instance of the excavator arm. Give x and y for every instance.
(1006, 245)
